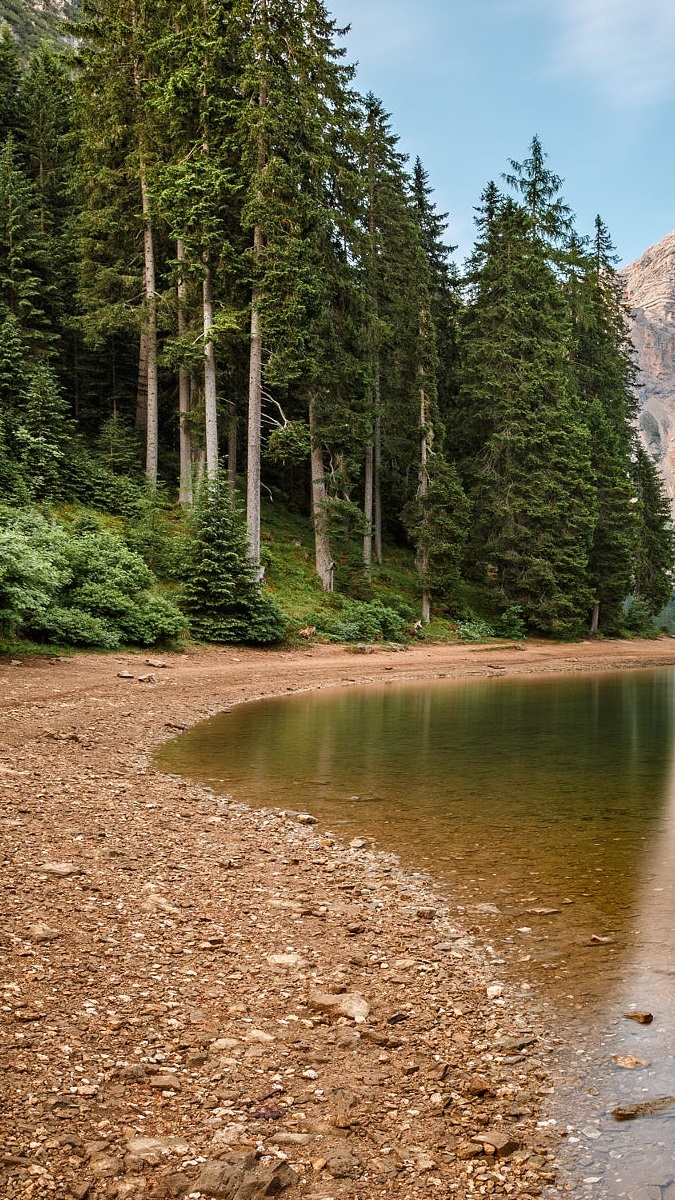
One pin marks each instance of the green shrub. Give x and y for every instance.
(78, 585)
(361, 621)
(638, 618)
(511, 623)
(475, 631)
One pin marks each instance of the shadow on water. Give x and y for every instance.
(551, 799)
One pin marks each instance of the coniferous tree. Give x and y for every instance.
(654, 565)
(533, 493)
(223, 597)
(294, 133)
(119, 290)
(604, 374)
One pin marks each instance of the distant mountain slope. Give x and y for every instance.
(650, 292)
(34, 21)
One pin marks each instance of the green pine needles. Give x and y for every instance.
(223, 598)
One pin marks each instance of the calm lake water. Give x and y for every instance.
(527, 794)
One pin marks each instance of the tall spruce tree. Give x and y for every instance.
(533, 489)
(604, 375)
(295, 131)
(119, 145)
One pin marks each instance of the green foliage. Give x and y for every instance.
(475, 631)
(289, 444)
(222, 596)
(78, 585)
(361, 621)
(511, 623)
(638, 618)
(533, 489)
(655, 543)
(439, 524)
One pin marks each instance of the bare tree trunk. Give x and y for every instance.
(210, 407)
(595, 619)
(368, 510)
(152, 427)
(141, 421)
(324, 561)
(377, 531)
(232, 452)
(254, 420)
(423, 552)
(185, 492)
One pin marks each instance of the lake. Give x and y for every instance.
(546, 805)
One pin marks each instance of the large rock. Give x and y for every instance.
(242, 1177)
(650, 294)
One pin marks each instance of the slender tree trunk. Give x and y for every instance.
(254, 419)
(141, 421)
(423, 552)
(595, 619)
(377, 531)
(152, 427)
(368, 508)
(232, 452)
(210, 409)
(324, 561)
(185, 493)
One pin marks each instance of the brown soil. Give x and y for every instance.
(167, 954)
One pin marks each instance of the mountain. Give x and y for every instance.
(650, 294)
(34, 21)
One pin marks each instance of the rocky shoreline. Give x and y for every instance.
(201, 999)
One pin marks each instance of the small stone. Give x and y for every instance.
(176, 1184)
(344, 1165)
(629, 1062)
(478, 1086)
(39, 932)
(259, 1037)
(60, 870)
(350, 1004)
(155, 902)
(164, 1083)
(228, 1137)
(125, 675)
(498, 1142)
(642, 1018)
(286, 960)
(81, 1189)
(147, 679)
(145, 1147)
(157, 663)
(363, 648)
(291, 1139)
(494, 991)
(591, 1132)
(130, 1189)
(426, 913)
(104, 1166)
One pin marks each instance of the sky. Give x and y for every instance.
(469, 82)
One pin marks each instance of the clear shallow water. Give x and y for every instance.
(525, 794)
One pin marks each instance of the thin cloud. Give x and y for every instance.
(626, 48)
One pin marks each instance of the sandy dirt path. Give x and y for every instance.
(204, 1000)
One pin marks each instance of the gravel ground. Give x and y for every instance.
(199, 999)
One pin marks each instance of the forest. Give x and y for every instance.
(246, 391)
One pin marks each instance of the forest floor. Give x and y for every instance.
(200, 999)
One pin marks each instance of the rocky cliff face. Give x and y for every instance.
(650, 292)
(35, 21)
